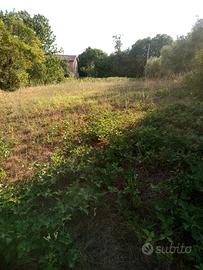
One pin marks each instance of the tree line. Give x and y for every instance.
(27, 48)
(151, 57)
(129, 63)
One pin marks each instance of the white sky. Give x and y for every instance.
(78, 24)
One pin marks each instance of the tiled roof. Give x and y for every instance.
(69, 58)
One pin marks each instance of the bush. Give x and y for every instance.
(35, 225)
(22, 52)
(17, 54)
(153, 67)
(37, 74)
(54, 70)
(195, 79)
(50, 71)
(173, 143)
(65, 68)
(93, 63)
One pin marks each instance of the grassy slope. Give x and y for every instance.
(103, 143)
(34, 120)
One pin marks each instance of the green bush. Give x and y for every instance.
(22, 59)
(153, 68)
(54, 70)
(101, 158)
(195, 79)
(47, 72)
(19, 50)
(37, 74)
(173, 143)
(35, 225)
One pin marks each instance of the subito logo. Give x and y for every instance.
(147, 249)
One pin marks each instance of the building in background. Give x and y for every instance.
(72, 64)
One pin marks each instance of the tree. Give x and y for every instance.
(43, 30)
(157, 43)
(120, 64)
(138, 54)
(47, 72)
(24, 42)
(39, 24)
(19, 50)
(145, 48)
(93, 63)
(153, 67)
(195, 78)
(54, 70)
(196, 36)
(117, 43)
(65, 67)
(177, 57)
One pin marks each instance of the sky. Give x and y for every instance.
(78, 24)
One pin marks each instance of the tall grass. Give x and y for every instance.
(33, 120)
(100, 167)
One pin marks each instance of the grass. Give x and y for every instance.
(34, 120)
(91, 169)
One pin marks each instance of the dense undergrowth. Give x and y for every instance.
(142, 160)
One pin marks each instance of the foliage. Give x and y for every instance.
(37, 74)
(180, 212)
(157, 43)
(131, 145)
(196, 36)
(36, 231)
(118, 43)
(143, 161)
(120, 65)
(65, 68)
(50, 71)
(24, 41)
(39, 24)
(19, 49)
(54, 70)
(145, 48)
(178, 56)
(195, 79)
(128, 63)
(93, 63)
(153, 68)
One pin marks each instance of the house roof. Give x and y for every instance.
(69, 58)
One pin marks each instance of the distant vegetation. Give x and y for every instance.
(156, 57)
(93, 168)
(129, 63)
(27, 48)
(27, 45)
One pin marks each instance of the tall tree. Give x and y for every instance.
(19, 50)
(157, 43)
(117, 43)
(146, 48)
(177, 57)
(93, 63)
(40, 25)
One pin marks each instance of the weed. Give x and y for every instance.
(132, 147)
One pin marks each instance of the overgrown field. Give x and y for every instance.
(91, 170)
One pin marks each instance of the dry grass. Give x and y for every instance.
(108, 150)
(33, 120)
